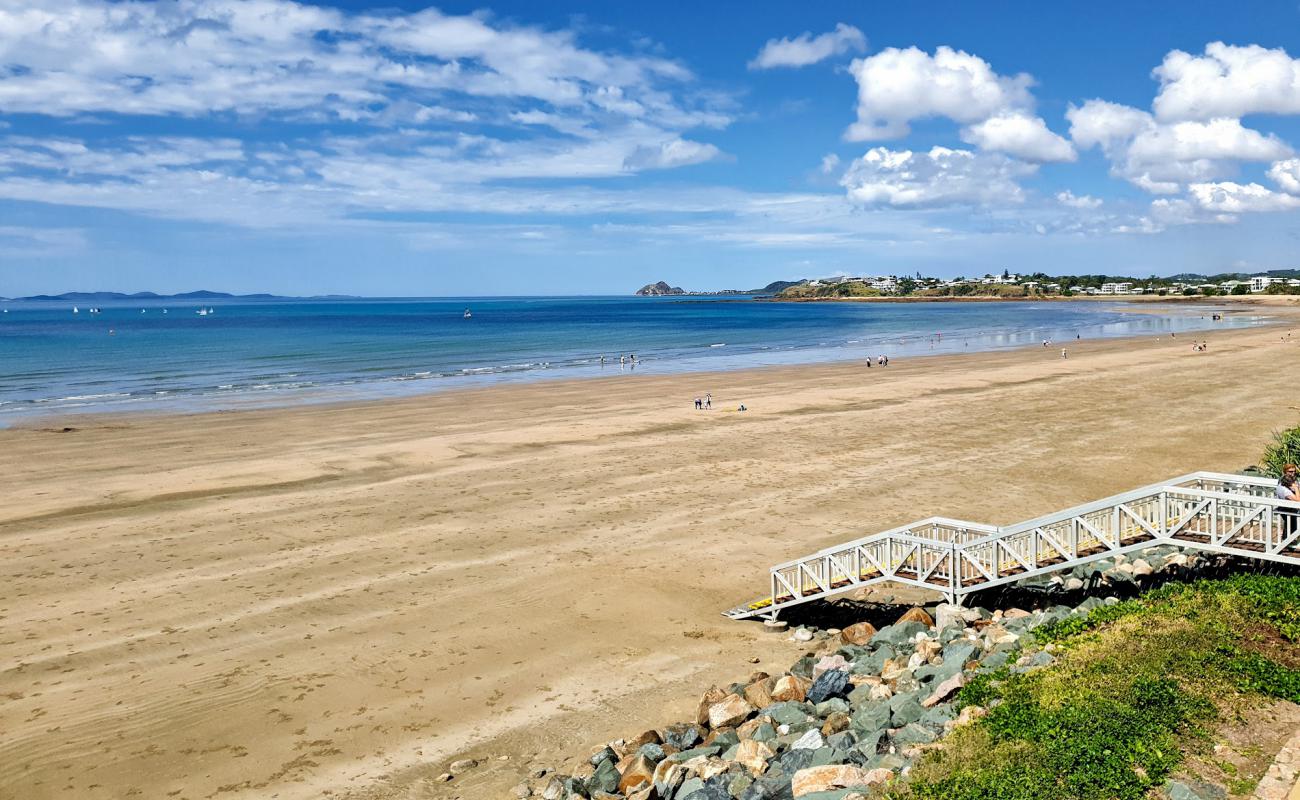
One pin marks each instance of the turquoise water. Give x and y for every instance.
(250, 353)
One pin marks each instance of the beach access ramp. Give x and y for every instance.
(1220, 513)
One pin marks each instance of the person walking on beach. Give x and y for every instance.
(1063, 353)
(708, 400)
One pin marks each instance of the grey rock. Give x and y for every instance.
(788, 713)
(935, 717)
(828, 755)
(714, 788)
(994, 660)
(844, 740)
(904, 709)
(868, 745)
(811, 740)
(725, 739)
(764, 733)
(1041, 659)
(804, 667)
(772, 785)
(831, 683)
(873, 662)
(1192, 790)
(738, 784)
(794, 760)
(914, 733)
(869, 719)
(887, 761)
(653, 753)
(681, 736)
(604, 779)
(687, 755)
(605, 754)
(828, 707)
(898, 635)
(690, 786)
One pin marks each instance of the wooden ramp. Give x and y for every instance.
(1230, 514)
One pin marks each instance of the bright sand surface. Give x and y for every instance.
(337, 601)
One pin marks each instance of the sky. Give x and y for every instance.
(527, 148)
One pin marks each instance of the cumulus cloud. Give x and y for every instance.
(1286, 174)
(807, 49)
(1235, 198)
(1162, 157)
(942, 176)
(897, 86)
(1227, 81)
(1084, 201)
(1019, 134)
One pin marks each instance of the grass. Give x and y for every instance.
(1138, 685)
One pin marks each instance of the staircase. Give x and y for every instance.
(1219, 513)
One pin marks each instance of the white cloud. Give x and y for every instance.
(1099, 122)
(830, 162)
(1227, 81)
(807, 49)
(1019, 134)
(896, 86)
(1286, 174)
(1236, 198)
(674, 153)
(902, 178)
(197, 57)
(1163, 157)
(1084, 201)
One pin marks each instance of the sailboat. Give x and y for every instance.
(202, 312)
(467, 315)
(76, 310)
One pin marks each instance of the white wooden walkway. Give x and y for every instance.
(1211, 511)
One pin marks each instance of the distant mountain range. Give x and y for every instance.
(90, 297)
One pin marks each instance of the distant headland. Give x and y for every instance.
(202, 294)
(663, 289)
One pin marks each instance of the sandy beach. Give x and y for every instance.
(337, 601)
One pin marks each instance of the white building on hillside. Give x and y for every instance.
(1119, 287)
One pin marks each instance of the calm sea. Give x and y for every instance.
(162, 355)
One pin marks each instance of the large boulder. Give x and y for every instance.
(790, 688)
(859, 634)
(759, 693)
(832, 683)
(640, 771)
(944, 690)
(711, 698)
(753, 756)
(830, 777)
(898, 635)
(729, 712)
(916, 614)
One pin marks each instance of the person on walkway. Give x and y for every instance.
(1288, 488)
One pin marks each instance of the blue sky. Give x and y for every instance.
(529, 148)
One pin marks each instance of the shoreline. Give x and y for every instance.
(347, 597)
(393, 389)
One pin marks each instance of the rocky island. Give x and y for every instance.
(659, 289)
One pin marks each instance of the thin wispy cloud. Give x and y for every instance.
(806, 49)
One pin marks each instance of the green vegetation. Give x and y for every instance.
(1284, 449)
(1137, 685)
(846, 289)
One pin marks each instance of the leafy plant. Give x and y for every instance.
(1284, 449)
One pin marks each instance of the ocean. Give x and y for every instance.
(164, 356)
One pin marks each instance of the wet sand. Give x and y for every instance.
(337, 601)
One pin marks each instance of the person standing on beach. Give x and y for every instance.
(708, 400)
(1063, 353)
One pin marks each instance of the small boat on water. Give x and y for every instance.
(202, 312)
(76, 310)
(467, 315)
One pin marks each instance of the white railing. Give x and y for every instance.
(1230, 514)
